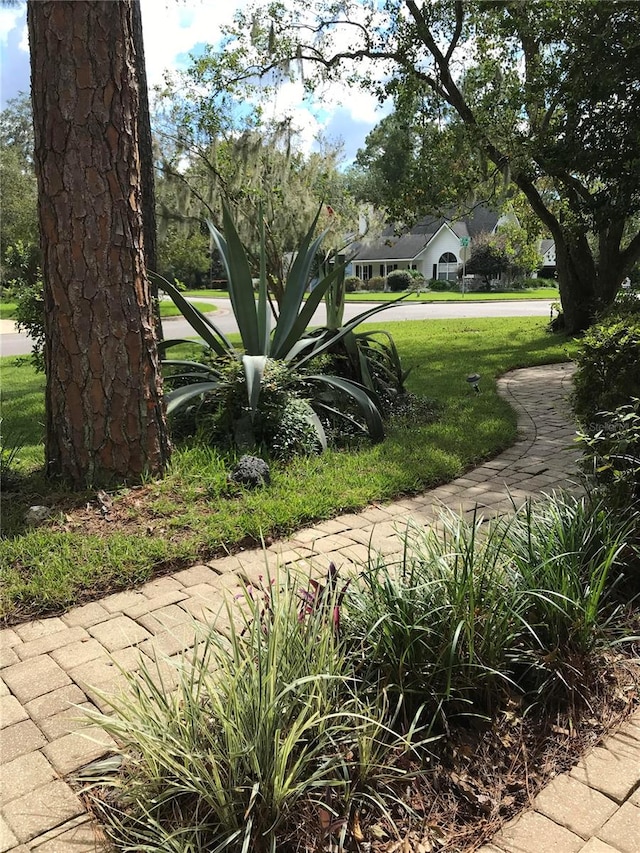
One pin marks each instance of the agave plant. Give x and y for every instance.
(285, 337)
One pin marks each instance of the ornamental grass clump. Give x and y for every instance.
(266, 737)
(476, 611)
(314, 720)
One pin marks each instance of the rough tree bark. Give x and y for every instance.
(105, 420)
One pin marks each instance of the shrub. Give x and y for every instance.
(265, 726)
(476, 609)
(607, 374)
(441, 285)
(611, 455)
(399, 280)
(352, 284)
(30, 319)
(282, 424)
(375, 284)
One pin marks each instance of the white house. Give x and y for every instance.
(434, 246)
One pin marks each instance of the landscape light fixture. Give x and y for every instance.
(474, 380)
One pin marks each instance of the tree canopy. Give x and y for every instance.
(548, 93)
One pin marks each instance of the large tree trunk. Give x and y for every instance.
(104, 411)
(577, 284)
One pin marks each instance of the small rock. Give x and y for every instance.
(251, 471)
(36, 515)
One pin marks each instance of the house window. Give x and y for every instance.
(447, 267)
(364, 271)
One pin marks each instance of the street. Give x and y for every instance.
(14, 343)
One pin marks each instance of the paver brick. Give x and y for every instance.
(533, 833)
(46, 644)
(614, 774)
(165, 618)
(622, 830)
(107, 669)
(41, 809)
(119, 632)
(8, 657)
(19, 739)
(195, 575)
(73, 751)
(23, 774)
(120, 601)
(619, 742)
(159, 586)
(575, 806)
(594, 845)
(30, 679)
(11, 711)
(74, 654)
(62, 724)
(204, 610)
(163, 599)
(83, 837)
(39, 628)
(8, 841)
(87, 615)
(170, 642)
(55, 702)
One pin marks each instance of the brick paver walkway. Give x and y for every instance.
(51, 667)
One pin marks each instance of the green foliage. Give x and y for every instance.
(441, 285)
(607, 373)
(9, 458)
(541, 100)
(19, 221)
(52, 568)
(282, 424)
(477, 609)
(352, 284)
(399, 280)
(30, 318)
(375, 284)
(290, 342)
(309, 694)
(264, 722)
(184, 256)
(611, 455)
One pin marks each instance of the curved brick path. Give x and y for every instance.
(51, 666)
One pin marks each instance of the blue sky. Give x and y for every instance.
(171, 31)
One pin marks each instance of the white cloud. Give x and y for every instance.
(172, 30)
(9, 19)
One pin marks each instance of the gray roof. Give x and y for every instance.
(405, 247)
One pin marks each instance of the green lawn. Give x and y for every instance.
(192, 513)
(167, 309)
(7, 310)
(432, 296)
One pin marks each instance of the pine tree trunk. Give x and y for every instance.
(104, 411)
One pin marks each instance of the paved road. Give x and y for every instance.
(12, 343)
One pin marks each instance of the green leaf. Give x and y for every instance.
(264, 314)
(362, 397)
(236, 263)
(175, 400)
(299, 325)
(348, 328)
(254, 366)
(207, 330)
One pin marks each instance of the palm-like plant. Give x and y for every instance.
(288, 341)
